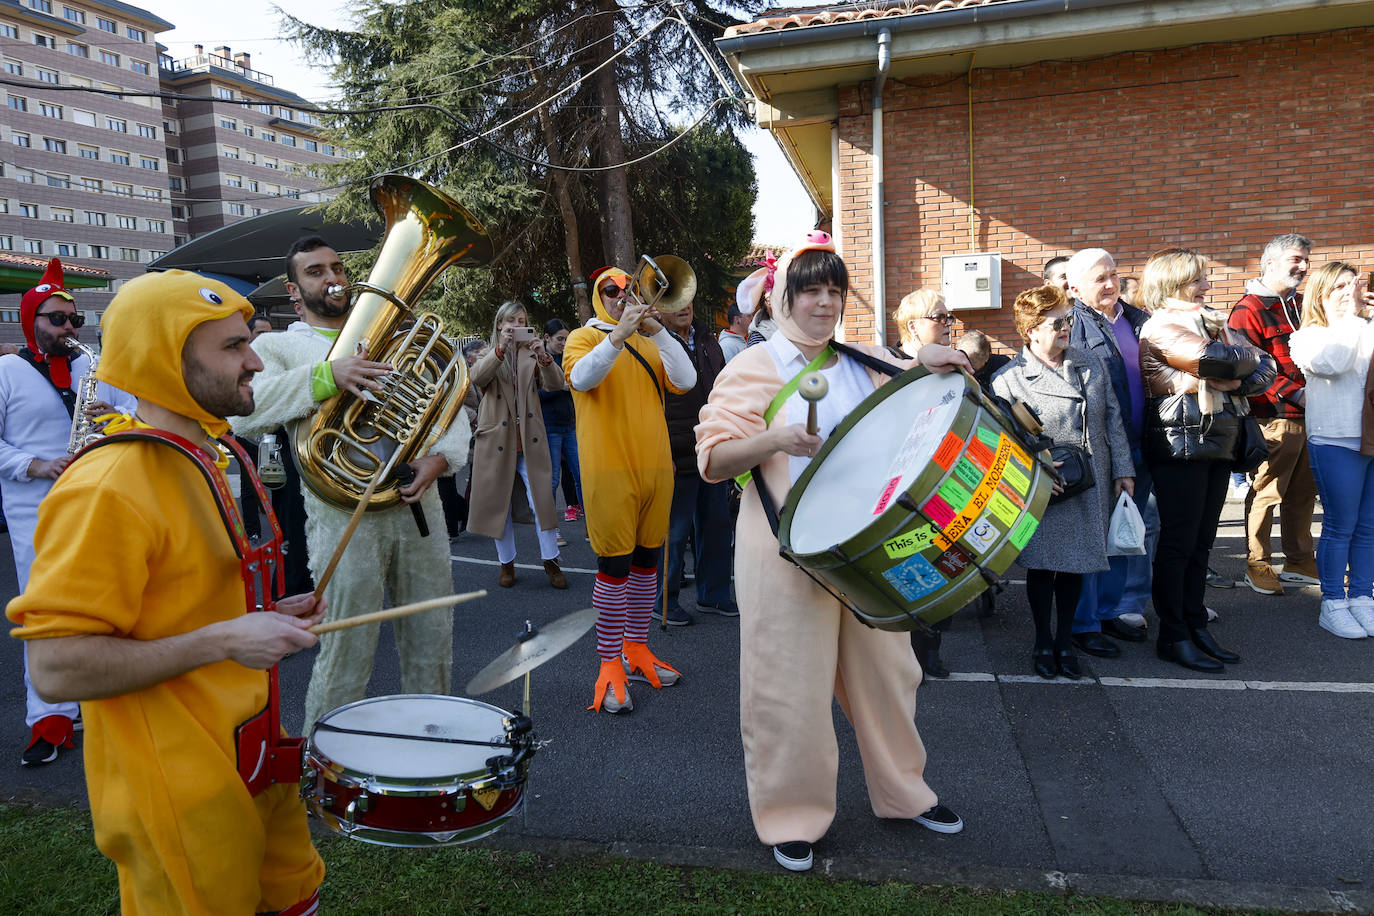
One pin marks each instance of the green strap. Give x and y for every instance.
(783, 394)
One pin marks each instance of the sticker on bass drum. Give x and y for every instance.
(914, 578)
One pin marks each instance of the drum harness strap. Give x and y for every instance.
(265, 755)
(770, 509)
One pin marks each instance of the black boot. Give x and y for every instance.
(927, 647)
(1208, 643)
(1188, 655)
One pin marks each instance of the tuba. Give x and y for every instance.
(348, 440)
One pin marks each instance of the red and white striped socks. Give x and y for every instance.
(608, 597)
(641, 596)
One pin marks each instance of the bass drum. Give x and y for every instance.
(918, 501)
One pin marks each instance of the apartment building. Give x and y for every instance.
(95, 168)
(243, 148)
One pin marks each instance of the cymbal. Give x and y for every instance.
(535, 647)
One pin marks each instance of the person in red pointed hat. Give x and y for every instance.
(37, 397)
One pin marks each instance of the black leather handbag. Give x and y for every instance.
(1075, 462)
(1251, 449)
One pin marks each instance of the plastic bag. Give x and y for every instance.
(1126, 530)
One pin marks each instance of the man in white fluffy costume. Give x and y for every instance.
(387, 551)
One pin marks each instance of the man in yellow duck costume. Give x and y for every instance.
(618, 366)
(153, 636)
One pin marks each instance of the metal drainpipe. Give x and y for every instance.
(879, 252)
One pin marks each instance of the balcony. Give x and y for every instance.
(201, 63)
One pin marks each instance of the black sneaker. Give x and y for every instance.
(941, 820)
(793, 856)
(1217, 580)
(41, 751)
(726, 608)
(678, 616)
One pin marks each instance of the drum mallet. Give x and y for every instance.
(812, 387)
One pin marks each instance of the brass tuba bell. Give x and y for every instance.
(349, 440)
(666, 283)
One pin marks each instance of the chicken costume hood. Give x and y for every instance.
(146, 327)
(49, 285)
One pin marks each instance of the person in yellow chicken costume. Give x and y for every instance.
(617, 367)
(153, 635)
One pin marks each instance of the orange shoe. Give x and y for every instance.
(642, 665)
(612, 688)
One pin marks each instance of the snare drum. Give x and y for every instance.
(417, 770)
(917, 501)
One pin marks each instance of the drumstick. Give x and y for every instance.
(812, 387)
(402, 611)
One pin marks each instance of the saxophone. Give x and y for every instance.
(84, 430)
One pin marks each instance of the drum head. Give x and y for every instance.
(396, 718)
(878, 458)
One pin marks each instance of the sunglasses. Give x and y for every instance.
(1062, 322)
(945, 319)
(60, 319)
(612, 292)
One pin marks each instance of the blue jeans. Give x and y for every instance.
(1345, 480)
(1124, 587)
(702, 510)
(563, 445)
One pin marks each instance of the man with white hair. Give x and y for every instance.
(1113, 601)
(1266, 315)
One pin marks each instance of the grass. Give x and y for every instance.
(49, 865)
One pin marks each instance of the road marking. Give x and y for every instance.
(540, 567)
(1175, 683)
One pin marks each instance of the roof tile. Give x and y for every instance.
(785, 18)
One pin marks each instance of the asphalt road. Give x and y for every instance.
(1143, 780)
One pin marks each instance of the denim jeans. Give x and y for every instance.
(702, 510)
(563, 446)
(1124, 587)
(1345, 480)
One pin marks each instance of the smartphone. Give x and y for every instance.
(525, 335)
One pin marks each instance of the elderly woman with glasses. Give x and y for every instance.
(1071, 390)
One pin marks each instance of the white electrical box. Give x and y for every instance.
(972, 281)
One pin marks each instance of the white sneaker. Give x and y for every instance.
(1362, 609)
(1134, 620)
(610, 704)
(666, 676)
(1336, 619)
(1211, 614)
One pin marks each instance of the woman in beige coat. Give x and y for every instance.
(510, 442)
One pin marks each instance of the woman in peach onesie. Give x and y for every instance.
(798, 645)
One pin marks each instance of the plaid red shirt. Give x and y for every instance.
(1264, 321)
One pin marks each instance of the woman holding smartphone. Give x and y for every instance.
(510, 440)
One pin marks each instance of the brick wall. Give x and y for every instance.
(1217, 147)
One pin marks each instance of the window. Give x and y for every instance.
(66, 249)
(126, 222)
(72, 15)
(62, 215)
(98, 251)
(229, 152)
(4, 205)
(79, 81)
(224, 93)
(123, 190)
(86, 118)
(169, 127)
(33, 246)
(269, 162)
(45, 75)
(147, 162)
(44, 41)
(118, 125)
(157, 225)
(54, 146)
(174, 184)
(288, 140)
(23, 176)
(265, 107)
(248, 130)
(273, 189)
(19, 139)
(95, 218)
(178, 212)
(147, 130)
(106, 25)
(288, 114)
(8, 30)
(233, 181)
(19, 103)
(257, 211)
(91, 184)
(49, 110)
(136, 34)
(6, 243)
(77, 49)
(250, 158)
(228, 123)
(270, 136)
(59, 181)
(293, 193)
(109, 57)
(139, 66)
(173, 155)
(152, 193)
(14, 67)
(88, 152)
(119, 158)
(178, 240)
(43, 6)
(129, 254)
(235, 209)
(312, 146)
(28, 211)
(252, 184)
